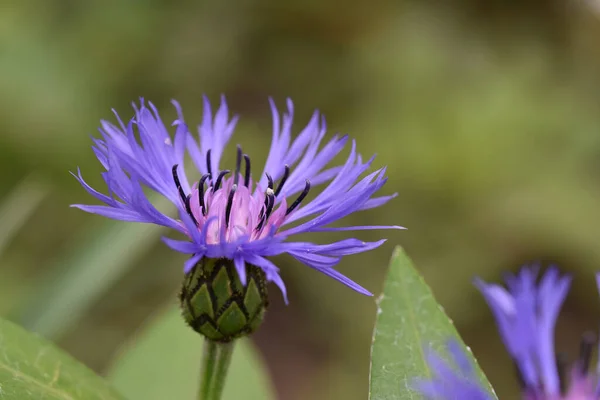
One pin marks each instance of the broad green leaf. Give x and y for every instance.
(163, 362)
(409, 321)
(31, 368)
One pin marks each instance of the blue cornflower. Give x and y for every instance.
(230, 216)
(526, 312)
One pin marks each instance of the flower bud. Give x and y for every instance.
(216, 304)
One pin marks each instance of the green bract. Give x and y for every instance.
(217, 305)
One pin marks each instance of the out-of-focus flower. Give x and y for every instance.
(233, 223)
(449, 383)
(526, 313)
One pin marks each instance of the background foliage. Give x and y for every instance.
(485, 112)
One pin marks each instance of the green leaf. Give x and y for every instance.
(31, 368)
(163, 362)
(409, 321)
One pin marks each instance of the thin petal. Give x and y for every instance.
(191, 262)
(356, 228)
(113, 213)
(181, 246)
(240, 267)
(271, 271)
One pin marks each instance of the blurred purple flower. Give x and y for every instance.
(233, 216)
(448, 383)
(526, 313)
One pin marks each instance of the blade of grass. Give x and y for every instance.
(99, 258)
(18, 206)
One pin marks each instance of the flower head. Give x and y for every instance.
(526, 313)
(229, 213)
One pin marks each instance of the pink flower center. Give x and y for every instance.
(226, 209)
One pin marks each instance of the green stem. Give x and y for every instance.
(217, 357)
(209, 361)
(220, 374)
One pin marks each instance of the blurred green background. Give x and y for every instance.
(486, 114)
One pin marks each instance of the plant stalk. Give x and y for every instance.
(209, 358)
(216, 360)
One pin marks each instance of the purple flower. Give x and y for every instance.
(449, 383)
(225, 213)
(526, 313)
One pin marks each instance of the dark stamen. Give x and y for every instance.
(265, 204)
(286, 174)
(588, 340)
(208, 163)
(261, 214)
(269, 204)
(201, 192)
(269, 190)
(220, 178)
(247, 174)
(188, 208)
(561, 367)
(238, 165)
(268, 195)
(299, 199)
(260, 223)
(184, 198)
(178, 183)
(229, 204)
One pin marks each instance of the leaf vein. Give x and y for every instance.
(20, 375)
